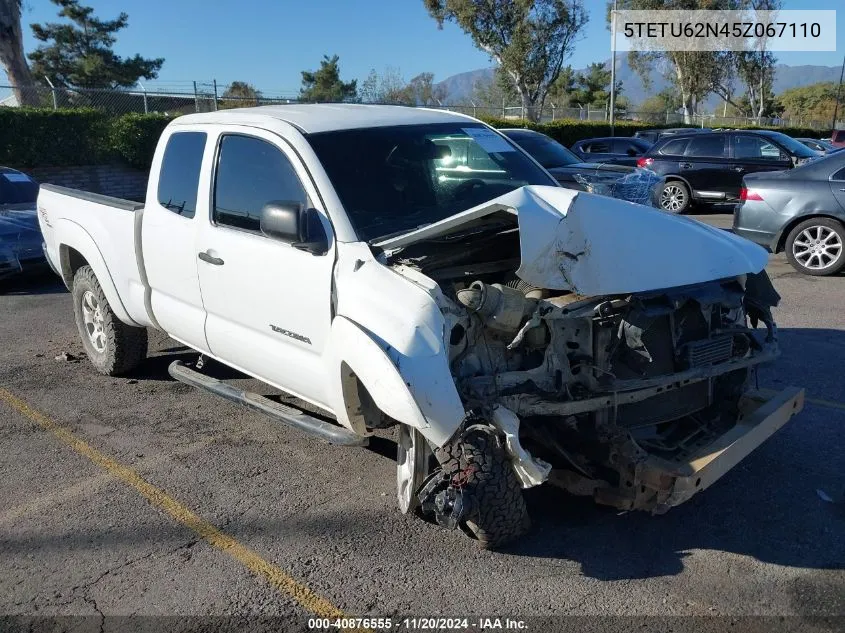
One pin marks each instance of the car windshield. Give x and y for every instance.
(394, 179)
(546, 151)
(796, 148)
(17, 189)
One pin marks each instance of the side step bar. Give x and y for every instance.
(292, 417)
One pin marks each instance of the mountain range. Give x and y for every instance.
(459, 87)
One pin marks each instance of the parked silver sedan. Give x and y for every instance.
(800, 212)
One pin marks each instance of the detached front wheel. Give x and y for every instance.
(113, 347)
(479, 464)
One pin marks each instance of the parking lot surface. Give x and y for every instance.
(141, 496)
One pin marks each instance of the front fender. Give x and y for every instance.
(414, 390)
(72, 235)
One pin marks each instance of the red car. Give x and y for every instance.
(837, 139)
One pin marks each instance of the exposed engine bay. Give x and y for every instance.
(608, 396)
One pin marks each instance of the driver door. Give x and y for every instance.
(268, 304)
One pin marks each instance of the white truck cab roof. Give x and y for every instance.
(326, 117)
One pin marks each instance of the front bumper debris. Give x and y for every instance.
(657, 484)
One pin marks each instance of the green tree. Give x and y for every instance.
(424, 91)
(324, 85)
(79, 53)
(11, 52)
(695, 74)
(529, 39)
(593, 86)
(387, 88)
(563, 89)
(240, 94)
(491, 94)
(813, 102)
(655, 108)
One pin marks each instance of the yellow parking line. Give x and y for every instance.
(304, 596)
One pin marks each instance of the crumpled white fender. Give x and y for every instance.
(531, 471)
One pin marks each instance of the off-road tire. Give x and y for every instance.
(498, 513)
(125, 346)
(826, 223)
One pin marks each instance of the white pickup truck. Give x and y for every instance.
(414, 268)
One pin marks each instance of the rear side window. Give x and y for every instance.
(706, 146)
(675, 147)
(626, 147)
(597, 147)
(250, 173)
(756, 148)
(180, 172)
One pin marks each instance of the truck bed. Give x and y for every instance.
(105, 231)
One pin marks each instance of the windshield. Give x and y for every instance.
(796, 148)
(394, 179)
(17, 189)
(546, 151)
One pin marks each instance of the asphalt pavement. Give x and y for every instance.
(140, 496)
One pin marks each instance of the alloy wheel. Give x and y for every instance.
(817, 247)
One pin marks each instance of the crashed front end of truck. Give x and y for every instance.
(605, 366)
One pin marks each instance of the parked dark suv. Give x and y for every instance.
(709, 167)
(652, 136)
(619, 150)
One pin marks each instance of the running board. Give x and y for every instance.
(300, 420)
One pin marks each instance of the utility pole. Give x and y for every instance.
(838, 92)
(143, 88)
(613, 69)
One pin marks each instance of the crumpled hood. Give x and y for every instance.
(595, 245)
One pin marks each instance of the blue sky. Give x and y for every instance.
(269, 42)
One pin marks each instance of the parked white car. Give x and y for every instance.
(415, 268)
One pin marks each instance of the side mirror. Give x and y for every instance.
(293, 224)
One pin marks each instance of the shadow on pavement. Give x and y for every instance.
(40, 283)
(766, 508)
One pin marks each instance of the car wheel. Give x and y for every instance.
(412, 455)
(113, 347)
(815, 247)
(675, 197)
(499, 514)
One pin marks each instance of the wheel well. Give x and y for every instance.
(70, 260)
(362, 410)
(678, 178)
(781, 245)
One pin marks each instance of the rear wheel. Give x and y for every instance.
(815, 247)
(113, 347)
(675, 197)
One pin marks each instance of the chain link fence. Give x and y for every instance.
(201, 97)
(207, 96)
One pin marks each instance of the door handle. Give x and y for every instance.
(686, 165)
(739, 169)
(210, 259)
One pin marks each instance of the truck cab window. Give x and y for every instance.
(180, 172)
(250, 173)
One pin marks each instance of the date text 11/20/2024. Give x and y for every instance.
(418, 624)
